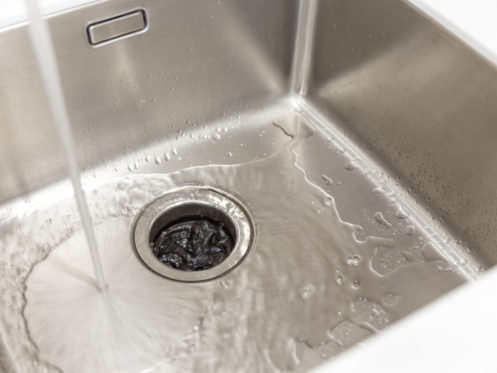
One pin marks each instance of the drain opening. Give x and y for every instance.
(193, 234)
(193, 242)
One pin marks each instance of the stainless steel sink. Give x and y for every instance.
(359, 135)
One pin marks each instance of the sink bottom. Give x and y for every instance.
(338, 254)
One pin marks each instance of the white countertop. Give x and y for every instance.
(456, 333)
(473, 21)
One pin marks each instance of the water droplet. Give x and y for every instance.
(226, 283)
(390, 299)
(370, 313)
(386, 259)
(339, 277)
(158, 160)
(351, 166)
(353, 260)
(400, 213)
(327, 179)
(347, 333)
(174, 151)
(167, 157)
(307, 291)
(381, 219)
(229, 154)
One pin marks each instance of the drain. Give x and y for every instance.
(194, 243)
(193, 234)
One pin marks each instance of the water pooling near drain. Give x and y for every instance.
(193, 233)
(289, 305)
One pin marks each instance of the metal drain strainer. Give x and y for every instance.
(193, 234)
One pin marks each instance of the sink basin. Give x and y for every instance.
(357, 136)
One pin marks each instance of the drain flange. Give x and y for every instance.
(193, 234)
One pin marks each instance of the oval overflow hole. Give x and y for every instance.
(193, 234)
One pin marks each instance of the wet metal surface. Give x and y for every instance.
(341, 130)
(322, 275)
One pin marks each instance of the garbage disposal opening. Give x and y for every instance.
(193, 233)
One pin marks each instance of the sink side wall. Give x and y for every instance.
(198, 61)
(419, 100)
